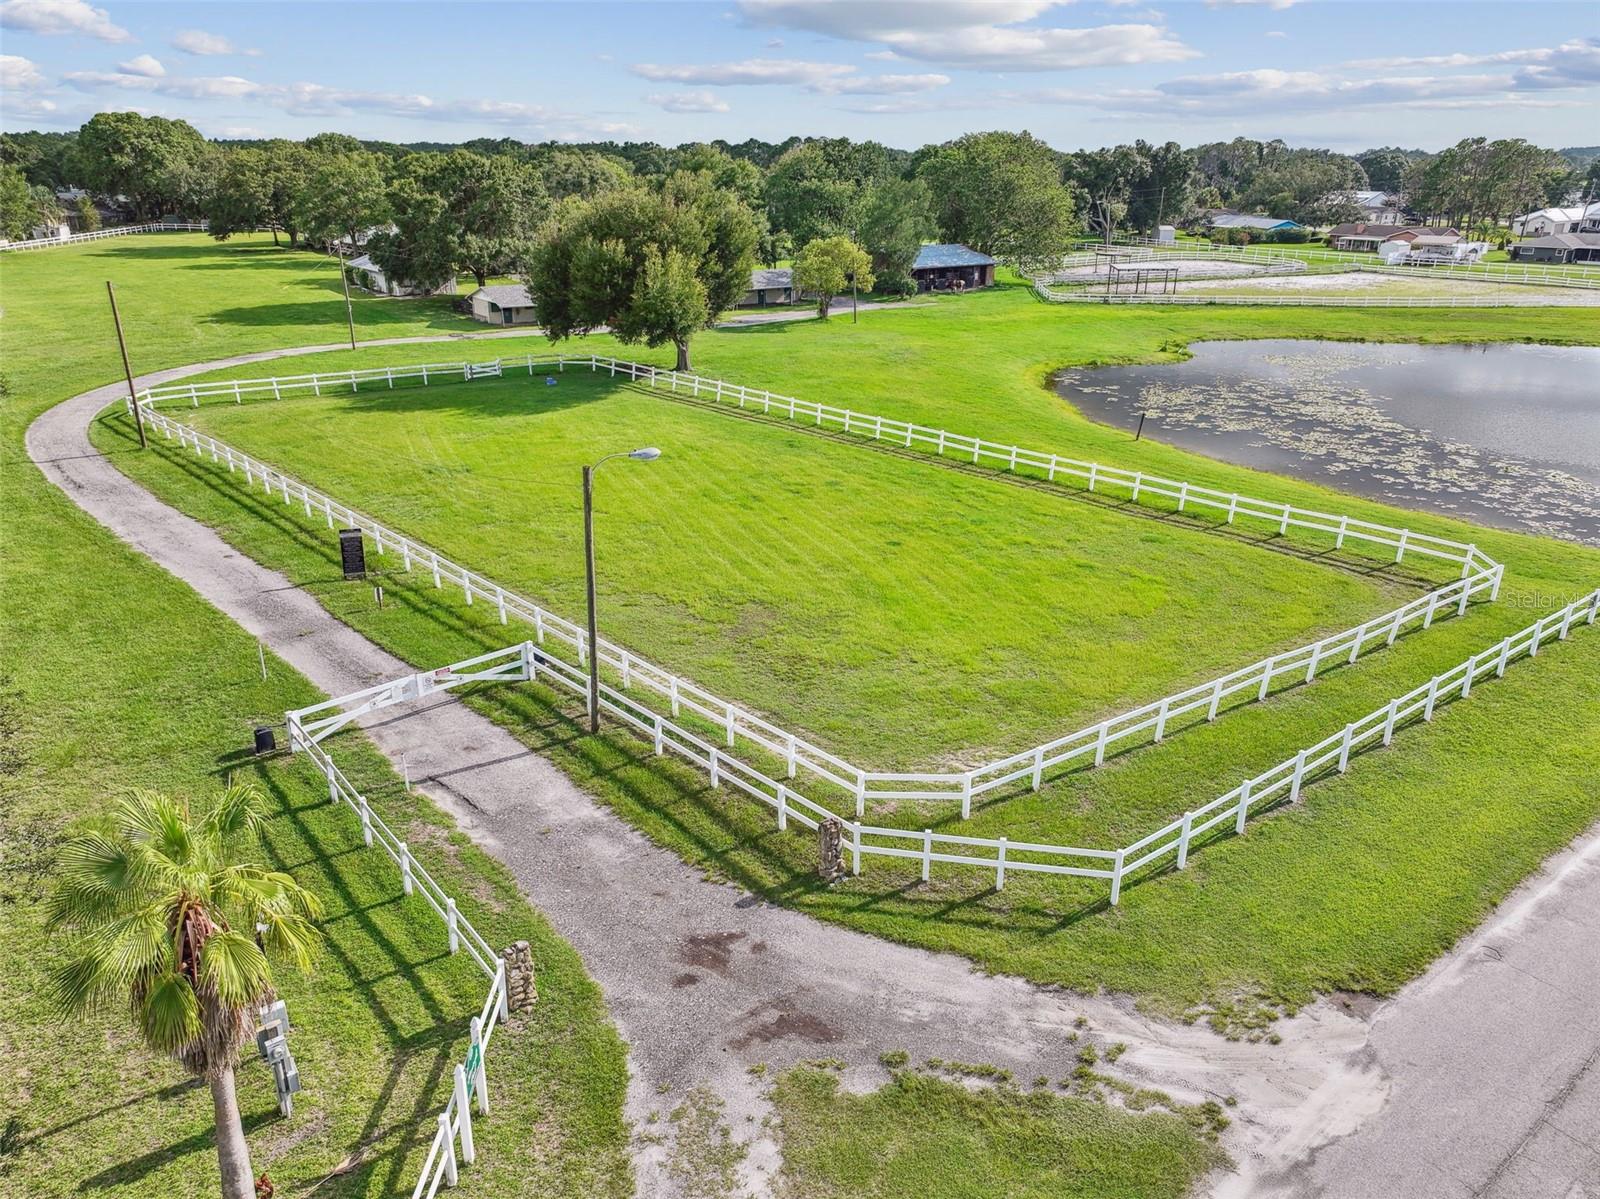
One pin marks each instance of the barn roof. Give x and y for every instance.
(1234, 220)
(771, 279)
(506, 295)
(948, 254)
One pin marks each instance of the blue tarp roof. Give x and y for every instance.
(949, 255)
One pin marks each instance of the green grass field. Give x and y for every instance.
(1358, 888)
(930, 1137)
(797, 575)
(114, 674)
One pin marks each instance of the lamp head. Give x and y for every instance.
(647, 454)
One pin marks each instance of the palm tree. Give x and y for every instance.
(171, 916)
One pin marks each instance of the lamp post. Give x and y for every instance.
(647, 454)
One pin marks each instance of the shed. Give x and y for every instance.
(950, 266)
(503, 304)
(769, 286)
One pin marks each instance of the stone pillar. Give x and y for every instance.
(521, 991)
(830, 850)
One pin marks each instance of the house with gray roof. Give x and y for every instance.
(1559, 247)
(502, 304)
(769, 286)
(951, 267)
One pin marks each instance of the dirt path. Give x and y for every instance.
(705, 981)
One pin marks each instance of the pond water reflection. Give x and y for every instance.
(1507, 435)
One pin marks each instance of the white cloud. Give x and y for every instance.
(882, 85)
(144, 64)
(1276, 5)
(18, 74)
(975, 34)
(61, 17)
(870, 20)
(198, 41)
(752, 71)
(1275, 33)
(824, 78)
(701, 101)
(315, 99)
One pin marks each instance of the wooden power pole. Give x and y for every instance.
(133, 396)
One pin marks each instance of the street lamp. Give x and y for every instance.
(647, 454)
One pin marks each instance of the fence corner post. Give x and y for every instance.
(1116, 877)
(450, 923)
(406, 884)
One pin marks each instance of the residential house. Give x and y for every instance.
(770, 286)
(1559, 247)
(1547, 221)
(369, 276)
(951, 267)
(1379, 208)
(1359, 235)
(502, 304)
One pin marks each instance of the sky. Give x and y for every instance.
(1078, 73)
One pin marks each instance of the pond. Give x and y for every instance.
(1506, 435)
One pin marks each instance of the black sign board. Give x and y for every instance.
(352, 553)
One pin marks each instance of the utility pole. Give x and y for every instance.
(588, 570)
(133, 396)
(349, 312)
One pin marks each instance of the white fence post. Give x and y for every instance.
(927, 852)
(406, 883)
(450, 923)
(469, 1151)
(861, 795)
(1000, 866)
(1244, 806)
(783, 807)
(1116, 877)
(366, 820)
(480, 1079)
(452, 1176)
(1183, 840)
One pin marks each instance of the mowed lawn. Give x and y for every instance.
(114, 674)
(1358, 887)
(902, 615)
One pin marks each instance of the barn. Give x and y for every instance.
(951, 267)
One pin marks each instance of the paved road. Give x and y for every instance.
(705, 981)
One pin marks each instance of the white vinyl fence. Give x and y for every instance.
(1480, 575)
(1283, 783)
(1330, 260)
(441, 1166)
(72, 239)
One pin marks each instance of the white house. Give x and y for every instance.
(503, 304)
(369, 276)
(1378, 208)
(1546, 221)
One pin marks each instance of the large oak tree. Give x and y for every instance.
(653, 265)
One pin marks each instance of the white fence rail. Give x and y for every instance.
(1178, 838)
(442, 1164)
(72, 239)
(1328, 260)
(1479, 575)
